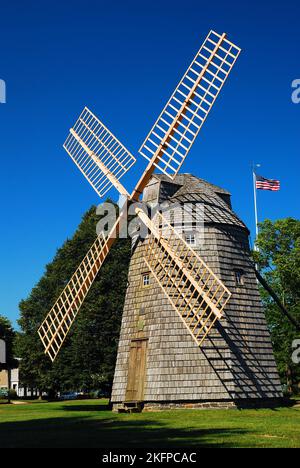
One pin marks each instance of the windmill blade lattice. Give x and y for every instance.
(175, 130)
(195, 292)
(97, 152)
(61, 317)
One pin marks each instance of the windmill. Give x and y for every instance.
(190, 291)
(191, 360)
(103, 160)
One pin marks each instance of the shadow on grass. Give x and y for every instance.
(89, 432)
(87, 408)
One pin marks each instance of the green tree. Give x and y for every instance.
(7, 334)
(87, 358)
(279, 261)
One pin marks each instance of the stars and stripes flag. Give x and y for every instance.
(267, 184)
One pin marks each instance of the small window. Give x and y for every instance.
(190, 238)
(145, 280)
(239, 277)
(172, 217)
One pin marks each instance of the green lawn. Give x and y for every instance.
(91, 424)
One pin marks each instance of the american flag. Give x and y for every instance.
(267, 184)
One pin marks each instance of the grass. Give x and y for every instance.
(90, 424)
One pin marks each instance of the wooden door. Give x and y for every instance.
(136, 370)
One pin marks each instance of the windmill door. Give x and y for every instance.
(136, 370)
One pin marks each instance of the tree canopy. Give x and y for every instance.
(87, 358)
(279, 261)
(7, 334)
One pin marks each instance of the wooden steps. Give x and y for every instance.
(131, 407)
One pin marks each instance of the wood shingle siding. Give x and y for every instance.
(235, 365)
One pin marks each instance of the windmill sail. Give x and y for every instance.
(175, 130)
(59, 320)
(97, 152)
(195, 292)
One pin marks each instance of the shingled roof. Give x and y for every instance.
(216, 200)
(189, 182)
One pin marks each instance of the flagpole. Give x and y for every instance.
(255, 206)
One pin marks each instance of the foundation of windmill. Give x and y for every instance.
(160, 364)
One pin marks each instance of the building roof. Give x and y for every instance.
(216, 200)
(190, 182)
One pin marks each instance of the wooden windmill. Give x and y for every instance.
(195, 292)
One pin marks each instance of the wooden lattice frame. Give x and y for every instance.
(195, 292)
(96, 151)
(59, 320)
(175, 130)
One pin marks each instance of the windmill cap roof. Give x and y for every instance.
(191, 184)
(192, 189)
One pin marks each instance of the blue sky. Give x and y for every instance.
(123, 59)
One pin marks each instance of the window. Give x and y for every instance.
(190, 238)
(239, 277)
(172, 217)
(145, 280)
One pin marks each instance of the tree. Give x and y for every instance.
(279, 261)
(7, 334)
(87, 358)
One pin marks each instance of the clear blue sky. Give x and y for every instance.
(123, 59)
